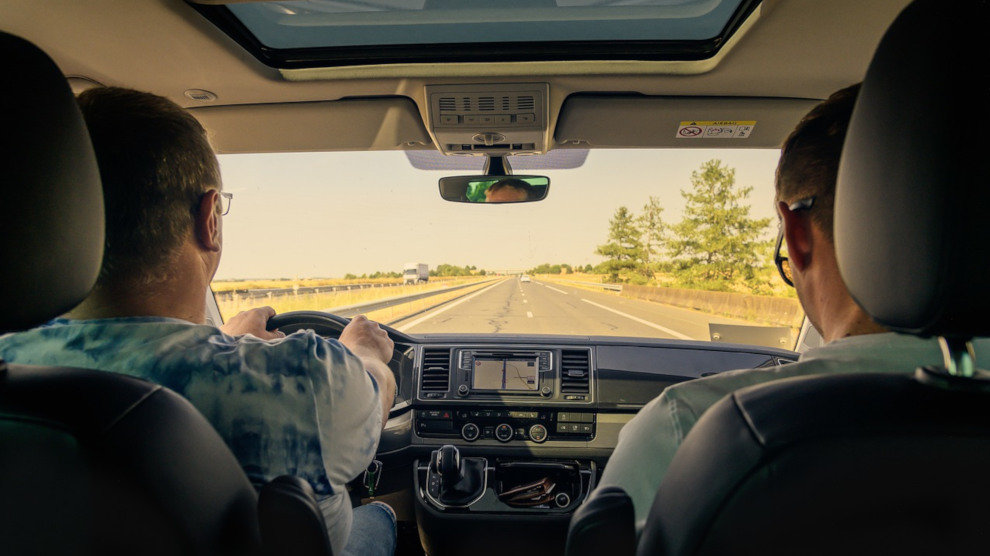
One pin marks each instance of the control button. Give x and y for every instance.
(486, 414)
(470, 432)
(475, 414)
(432, 395)
(576, 417)
(546, 391)
(488, 432)
(462, 414)
(487, 119)
(526, 118)
(563, 417)
(562, 500)
(504, 432)
(449, 119)
(503, 119)
(575, 397)
(462, 390)
(470, 119)
(520, 433)
(567, 427)
(538, 433)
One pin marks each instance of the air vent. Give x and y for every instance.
(525, 103)
(505, 104)
(436, 370)
(448, 104)
(486, 104)
(466, 104)
(575, 371)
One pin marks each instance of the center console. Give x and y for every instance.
(510, 410)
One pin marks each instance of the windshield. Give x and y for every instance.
(673, 243)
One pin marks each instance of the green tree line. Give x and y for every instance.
(716, 245)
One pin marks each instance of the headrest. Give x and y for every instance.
(51, 201)
(912, 205)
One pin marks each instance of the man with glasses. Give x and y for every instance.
(805, 195)
(285, 405)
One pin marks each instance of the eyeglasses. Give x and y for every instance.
(225, 200)
(782, 261)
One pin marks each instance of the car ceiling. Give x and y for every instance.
(788, 55)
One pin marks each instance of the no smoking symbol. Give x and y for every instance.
(690, 131)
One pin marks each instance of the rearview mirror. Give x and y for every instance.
(494, 189)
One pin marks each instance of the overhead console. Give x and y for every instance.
(489, 119)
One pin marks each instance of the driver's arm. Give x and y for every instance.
(367, 340)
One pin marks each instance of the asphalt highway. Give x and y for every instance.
(512, 306)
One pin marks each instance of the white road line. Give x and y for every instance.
(556, 290)
(639, 320)
(529, 314)
(428, 316)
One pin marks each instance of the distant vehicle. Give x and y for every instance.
(525, 278)
(415, 273)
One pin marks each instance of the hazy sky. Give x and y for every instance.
(327, 214)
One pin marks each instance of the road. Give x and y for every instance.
(511, 306)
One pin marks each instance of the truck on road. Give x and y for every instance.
(415, 273)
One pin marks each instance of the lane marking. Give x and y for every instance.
(428, 316)
(529, 314)
(555, 289)
(641, 321)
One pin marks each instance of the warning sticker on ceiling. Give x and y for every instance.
(720, 129)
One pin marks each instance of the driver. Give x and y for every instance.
(508, 190)
(298, 405)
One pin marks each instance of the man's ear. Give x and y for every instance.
(797, 234)
(207, 221)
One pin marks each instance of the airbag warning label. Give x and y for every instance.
(721, 129)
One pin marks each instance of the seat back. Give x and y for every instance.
(838, 464)
(115, 465)
(604, 524)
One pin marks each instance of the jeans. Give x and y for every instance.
(372, 531)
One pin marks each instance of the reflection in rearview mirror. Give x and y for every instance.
(494, 189)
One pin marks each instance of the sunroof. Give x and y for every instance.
(312, 33)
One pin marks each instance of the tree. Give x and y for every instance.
(654, 231)
(717, 243)
(624, 252)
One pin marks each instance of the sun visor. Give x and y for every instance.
(617, 121)
(360, 124)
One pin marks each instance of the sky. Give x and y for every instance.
(302, 215)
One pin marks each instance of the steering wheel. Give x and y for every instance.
(324, 324)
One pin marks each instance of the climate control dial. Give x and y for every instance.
(504, 432)
(470, 432)
(538, 433)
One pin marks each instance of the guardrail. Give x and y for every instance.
(276, 292)
(368, 306)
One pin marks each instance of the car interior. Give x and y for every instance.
(92, 462)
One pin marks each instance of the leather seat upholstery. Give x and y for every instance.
(93, 462)
(871, 463)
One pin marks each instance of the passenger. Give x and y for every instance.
(508, 190)
(298, 404)
(805, 194)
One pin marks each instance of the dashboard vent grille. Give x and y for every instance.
(525, 103)
(436, 370)
(575, 371)
(448, 104)
(486, 104)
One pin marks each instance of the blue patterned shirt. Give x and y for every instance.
(301, 405)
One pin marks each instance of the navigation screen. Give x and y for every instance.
(505, 374)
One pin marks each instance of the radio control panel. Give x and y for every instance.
(505, 425)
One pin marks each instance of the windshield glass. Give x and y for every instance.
(640, 243)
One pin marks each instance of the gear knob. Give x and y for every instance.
(449, 464)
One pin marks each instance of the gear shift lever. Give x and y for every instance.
(453, 481)
(449, 465)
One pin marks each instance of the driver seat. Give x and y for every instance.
(93, 462)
